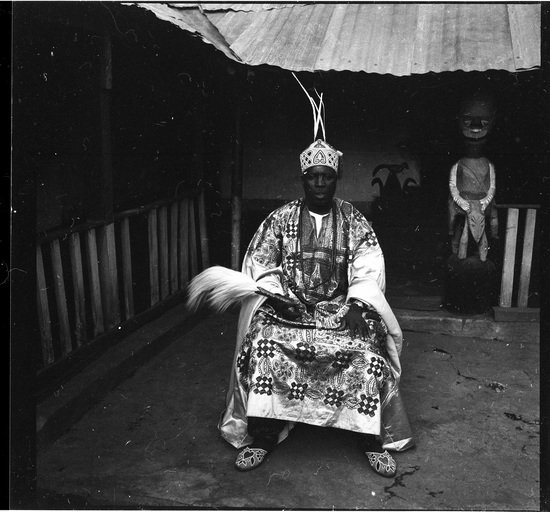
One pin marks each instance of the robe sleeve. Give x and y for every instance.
(263, 258)
(367, 282)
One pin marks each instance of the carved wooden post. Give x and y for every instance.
(104, 210)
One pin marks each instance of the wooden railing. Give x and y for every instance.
(94, 278)
(514, 288)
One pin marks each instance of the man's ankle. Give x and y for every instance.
(370, 443)
(267, 443)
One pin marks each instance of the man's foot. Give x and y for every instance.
(253, 456)
(382, 463)
(379, 459)
(250, 458)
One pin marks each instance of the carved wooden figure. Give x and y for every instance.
(472, 181)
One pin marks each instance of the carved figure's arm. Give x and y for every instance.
(455, 194)
(492, 187)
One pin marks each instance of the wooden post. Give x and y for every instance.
(184, 243)
(527, 257)
(193, 249)
(237, 177)
(60, 297)
(78, 290)
(95, 286)
(507, 284)
(153, 256)
(203, 232)
(174, 247)
(163, 251)
(127, 281)
(106, 83)
(108, 275)
(44, 310)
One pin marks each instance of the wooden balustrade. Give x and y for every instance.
(514, 306)
(91, 280)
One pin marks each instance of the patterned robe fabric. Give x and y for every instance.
(312, 370)
(316, 376)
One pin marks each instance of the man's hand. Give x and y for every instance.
(354, 321)
(285, 307)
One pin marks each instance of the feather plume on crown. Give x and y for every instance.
(318, 110)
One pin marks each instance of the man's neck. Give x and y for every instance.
(319, 210)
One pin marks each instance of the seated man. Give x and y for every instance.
(323, 348)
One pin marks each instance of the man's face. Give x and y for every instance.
(319, 188)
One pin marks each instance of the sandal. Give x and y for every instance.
(382, 463)
(250, 458)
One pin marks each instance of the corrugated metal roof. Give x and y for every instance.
(395, 38)
(256, 6)
(192, 19)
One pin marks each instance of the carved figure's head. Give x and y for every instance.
(477, 116)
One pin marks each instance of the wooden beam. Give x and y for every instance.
(163, 248)
(44, 320)
(51, 234)
(237, 185)
(193, 239)
(106, 84)
(518, 206)
(529, 315)
(507, 283)
(184, 243)
(78, 290)
(127, 280)
(174, 247)
(60, 297)
(108, 275)
(153, 256)
(203, 232)
(95, 285)
(527, 257)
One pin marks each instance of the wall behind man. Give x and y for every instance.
(362, 120)
(382, 119)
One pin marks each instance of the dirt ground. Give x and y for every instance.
(152, 442)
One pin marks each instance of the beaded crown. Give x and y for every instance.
(319, 152)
